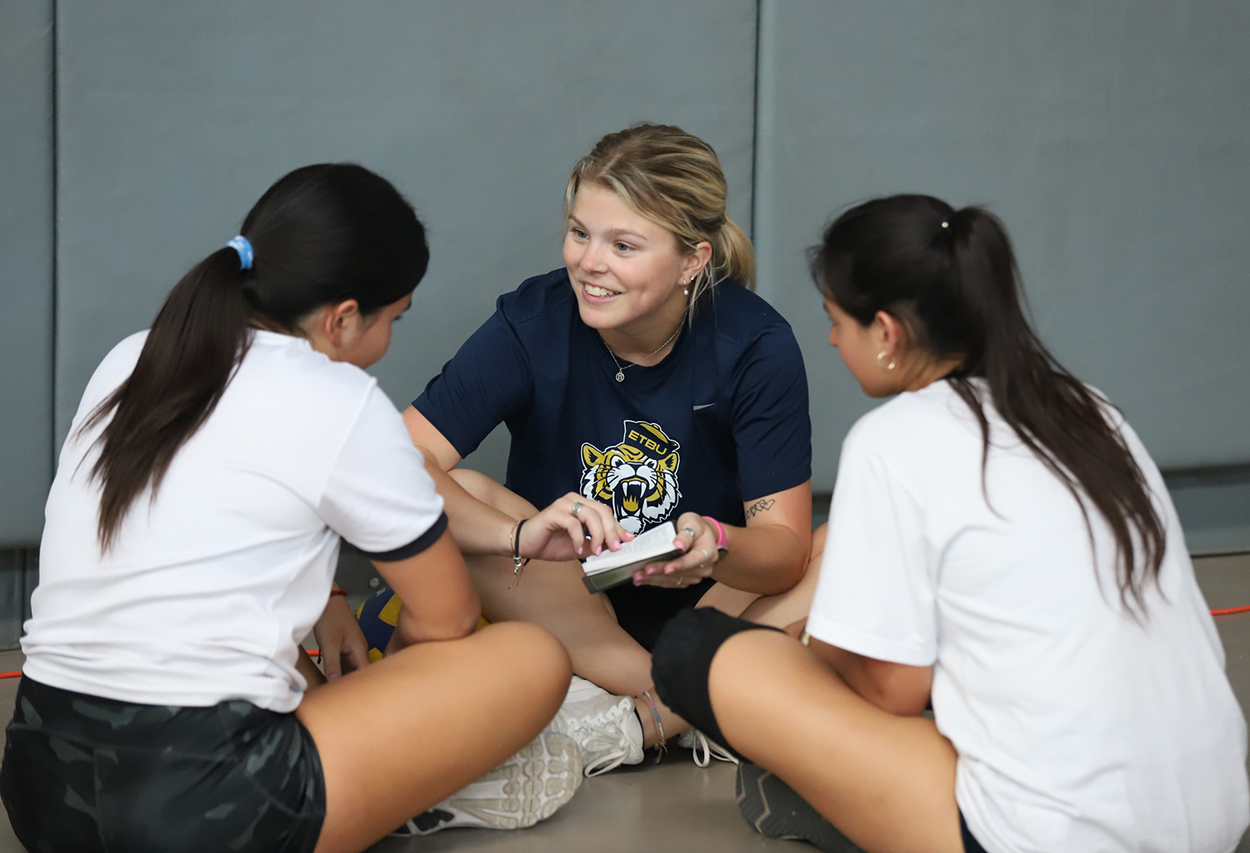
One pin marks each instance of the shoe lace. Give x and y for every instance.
(605, 731)
(709, 750)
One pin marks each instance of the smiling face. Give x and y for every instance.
(626, 270)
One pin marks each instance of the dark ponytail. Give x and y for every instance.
(321, 235)
(951, 278)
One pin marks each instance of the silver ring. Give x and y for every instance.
(706, 556)
(577, 507)
(694, 534)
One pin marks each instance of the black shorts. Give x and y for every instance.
(84, 773)
(971, 845)
(643, 610)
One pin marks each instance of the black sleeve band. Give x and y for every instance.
(416, 546)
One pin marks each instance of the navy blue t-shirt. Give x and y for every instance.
(722, 420)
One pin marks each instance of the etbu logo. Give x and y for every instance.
(637, 478)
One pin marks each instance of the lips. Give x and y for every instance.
(595, 292)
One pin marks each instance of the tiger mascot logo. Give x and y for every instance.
(637, 478)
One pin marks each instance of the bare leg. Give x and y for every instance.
(793, 604)
(440, 715)
(886, 781)
(552, 595)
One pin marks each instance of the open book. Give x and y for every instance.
(616, 567)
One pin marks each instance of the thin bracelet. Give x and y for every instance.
(662, 745)
(722, 541)
(517, 562)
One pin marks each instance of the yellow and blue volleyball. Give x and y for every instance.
(378, 615)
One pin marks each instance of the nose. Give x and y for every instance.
(592, 257)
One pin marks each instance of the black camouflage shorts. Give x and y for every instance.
(82, 773)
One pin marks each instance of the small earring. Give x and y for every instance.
(685, 287)
(881, 356)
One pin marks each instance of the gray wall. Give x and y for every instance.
(26, 276)
(1112, 136)
(476, 110)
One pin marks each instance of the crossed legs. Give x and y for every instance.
(886, 781)
(439, 715)
(552, 595)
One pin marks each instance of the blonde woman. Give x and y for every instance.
(642, 382)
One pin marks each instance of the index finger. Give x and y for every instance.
(613, 534)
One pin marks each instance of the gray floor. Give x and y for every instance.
(679, 807)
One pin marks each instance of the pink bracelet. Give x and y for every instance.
(722, 541)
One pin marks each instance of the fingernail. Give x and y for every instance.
(579, 552)
(669, 570)
(598, 549)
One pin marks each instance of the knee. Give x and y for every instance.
(492, 493)
(534, 656)
(818, 548)
(474, 482)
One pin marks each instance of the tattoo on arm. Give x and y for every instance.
(762, 505)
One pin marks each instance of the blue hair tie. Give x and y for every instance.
(241, 245)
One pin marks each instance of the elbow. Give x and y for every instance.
(447, 624)
(790, 573)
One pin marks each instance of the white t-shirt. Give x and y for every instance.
(209, 587)
(1077, 728)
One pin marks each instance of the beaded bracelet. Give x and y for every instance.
(659, 727)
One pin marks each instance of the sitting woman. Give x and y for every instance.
(191, 537)
(1000, 544)
(643, 382)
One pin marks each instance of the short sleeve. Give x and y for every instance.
(771, 426)
(485, 383)
(378, 495)
(877, 593)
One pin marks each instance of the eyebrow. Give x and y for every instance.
(613, 232)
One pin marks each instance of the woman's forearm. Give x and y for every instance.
(765, 559)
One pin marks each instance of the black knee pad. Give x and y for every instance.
(682, 657)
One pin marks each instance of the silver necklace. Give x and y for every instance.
(620, 371)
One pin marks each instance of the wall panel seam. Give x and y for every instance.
(56, 217)
(755, 127)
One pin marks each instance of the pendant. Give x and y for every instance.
(620, 375)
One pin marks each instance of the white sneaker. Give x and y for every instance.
(525, 789)
(704, 750)
(604, 727)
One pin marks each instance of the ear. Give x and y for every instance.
(591, 455)
(890, 333)
(696, 260)
(340, 322)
